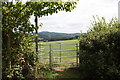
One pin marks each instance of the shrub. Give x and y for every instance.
(100, 51)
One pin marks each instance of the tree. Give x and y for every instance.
(18, 58)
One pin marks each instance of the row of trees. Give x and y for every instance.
(18, 58)
(100, 51)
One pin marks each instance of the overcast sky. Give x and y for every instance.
(80, 18)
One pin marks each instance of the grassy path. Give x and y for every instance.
(69, 74)
(60, 74)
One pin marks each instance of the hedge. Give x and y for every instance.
(100, 51)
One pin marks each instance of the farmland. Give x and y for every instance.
(62, 52)
(63, 41)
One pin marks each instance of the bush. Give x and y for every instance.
(100, 51)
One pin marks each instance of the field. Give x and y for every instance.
(63, 53)
(64, 41)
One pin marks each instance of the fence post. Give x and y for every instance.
(60, 52)
(77, 53)
(50, 56)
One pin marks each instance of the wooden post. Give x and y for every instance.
(50, 56)
(36, 40)
(77, 54)
(36, 30)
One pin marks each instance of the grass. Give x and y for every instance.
(63, 41)
(70, 73)
(62, 74)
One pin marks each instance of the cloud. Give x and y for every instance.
(81, 17)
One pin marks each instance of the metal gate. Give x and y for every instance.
(59, 55)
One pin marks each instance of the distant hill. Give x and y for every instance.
(53, 36)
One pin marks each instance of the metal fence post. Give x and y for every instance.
(60, 52)
(50, 56)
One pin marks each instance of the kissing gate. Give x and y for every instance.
(59, 55)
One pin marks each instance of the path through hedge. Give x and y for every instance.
(67, 73)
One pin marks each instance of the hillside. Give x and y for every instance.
(53, 36)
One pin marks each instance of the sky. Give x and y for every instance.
(79, 19)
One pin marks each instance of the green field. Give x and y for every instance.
(64, 41)
(58, 49)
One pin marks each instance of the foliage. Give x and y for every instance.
(100, 51)
(44, 71)
(18, 58)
